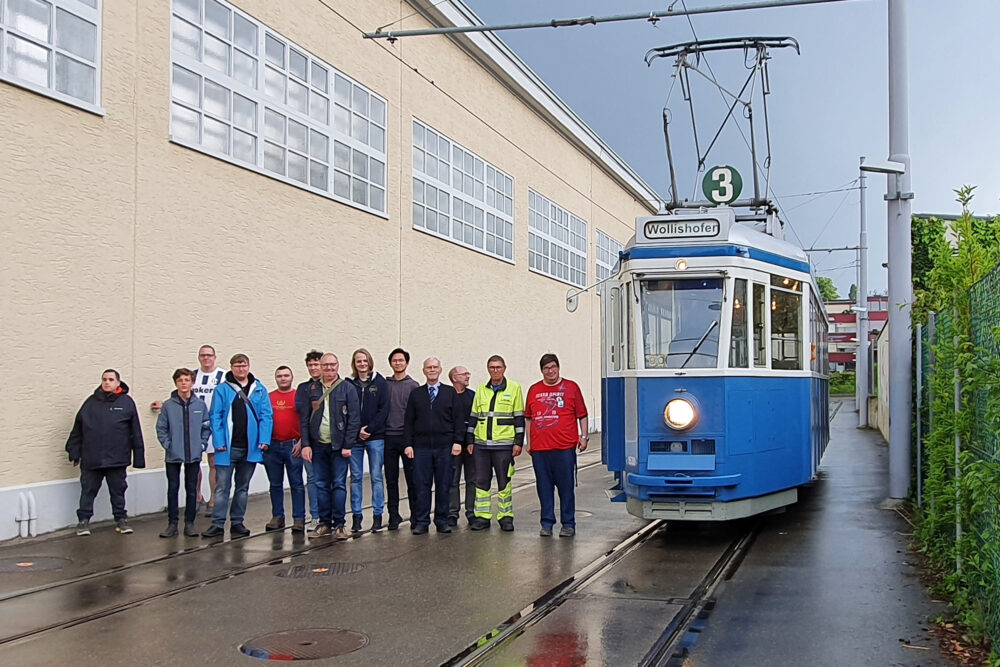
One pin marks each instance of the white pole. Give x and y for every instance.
(861, 351)
(900, 283)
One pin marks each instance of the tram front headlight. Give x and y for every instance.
(679, 414)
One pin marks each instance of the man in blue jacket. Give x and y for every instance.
(106, 437)
(373, 396)
(241, 422)
(330, 426)
(183, 428)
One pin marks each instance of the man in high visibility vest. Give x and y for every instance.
(496, 432)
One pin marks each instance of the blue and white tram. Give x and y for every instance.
(714, 382)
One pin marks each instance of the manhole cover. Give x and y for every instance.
(579, 513)
(32, 563)
(319, 570)
(311, 644)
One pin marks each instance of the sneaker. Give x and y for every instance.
(376, 523)
(567, 531)
(340, 532)
(478, 523)
(322, 530)
(214, 531)
(507, 524)
(190, 530)
(122, 527)
(276, 523)
(83, 528)
(299, 526)
(310, 521)
(356, 524)
(238, 530)
(545, 531)
(169, 531)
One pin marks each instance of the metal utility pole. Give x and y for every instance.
(900, 251)
(861, 308)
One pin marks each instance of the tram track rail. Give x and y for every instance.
(231, 572)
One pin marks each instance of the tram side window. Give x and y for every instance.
(616, 328)
(738, 334)
(629, 338)
(786, 330)
(759, 319)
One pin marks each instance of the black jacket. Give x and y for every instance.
(374, 400)
(106, 433)
(345, 421)
(440, 426)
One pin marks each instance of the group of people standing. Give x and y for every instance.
(325, 427)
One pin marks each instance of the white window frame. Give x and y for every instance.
(77, 8)
(478, 212)
(347, 124)
(606, 256)
(556, 238)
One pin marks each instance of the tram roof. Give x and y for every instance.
(711, 232)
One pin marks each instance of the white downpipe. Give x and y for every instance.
(32, 515)
(22, 514)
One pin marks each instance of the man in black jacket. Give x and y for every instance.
(105, 439)
(433, 429)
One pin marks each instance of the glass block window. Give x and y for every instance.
(53, 47)
(244, 93)
(607, 255)
(460, 197)
(557, 241)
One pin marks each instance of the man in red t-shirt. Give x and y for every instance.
(558, 418)
(283, 454)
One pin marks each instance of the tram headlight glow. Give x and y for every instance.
(681, 265)
(679, 414)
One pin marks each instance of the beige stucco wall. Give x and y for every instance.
(105, 219)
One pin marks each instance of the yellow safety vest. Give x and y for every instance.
(498, 415)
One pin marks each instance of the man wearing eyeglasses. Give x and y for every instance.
(330, 428)
(459, 376)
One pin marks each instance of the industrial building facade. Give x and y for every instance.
(256, 176)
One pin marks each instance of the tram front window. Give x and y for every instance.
(680, 322)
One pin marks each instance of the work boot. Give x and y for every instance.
(507, 524)
(122, 527)
(394, 522)
(376, 523)
(83, 528)
(299, 526)
(170, 530)
(238, 530)
(190, 530)
(479, 523)
(340, 532)
(356, 524)
(276, 523)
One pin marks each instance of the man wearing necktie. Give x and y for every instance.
(433, 430)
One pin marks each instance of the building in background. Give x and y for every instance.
(843, 331)
(255, 175)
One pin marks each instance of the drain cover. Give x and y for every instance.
(311, 644)
(32, 563)
(319, 570)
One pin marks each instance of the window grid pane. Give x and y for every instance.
(450, 193)
(52, 46)
(607, 256)
(557, 241)
(246, 94)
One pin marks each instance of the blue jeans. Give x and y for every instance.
(311, 489)
(223, 483)
(330, 467)
(277, 459)
(376, 451)
(556, 469)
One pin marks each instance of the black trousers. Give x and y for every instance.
(463, 462)
(394, 447)
(90, 484)
(190, 490)
(431, 466)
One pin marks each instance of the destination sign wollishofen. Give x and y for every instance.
(680, 229)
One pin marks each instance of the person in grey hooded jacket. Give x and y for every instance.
(183, 429)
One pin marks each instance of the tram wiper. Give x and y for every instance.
(704, 336)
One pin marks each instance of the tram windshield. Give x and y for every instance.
(680, 322)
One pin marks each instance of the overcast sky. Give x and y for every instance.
(828, 106)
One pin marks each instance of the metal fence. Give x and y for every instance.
(978, 531)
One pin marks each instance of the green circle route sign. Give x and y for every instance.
(722, 185)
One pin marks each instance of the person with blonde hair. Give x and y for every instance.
(373, 399)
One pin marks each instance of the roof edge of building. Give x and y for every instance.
(499, 59)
